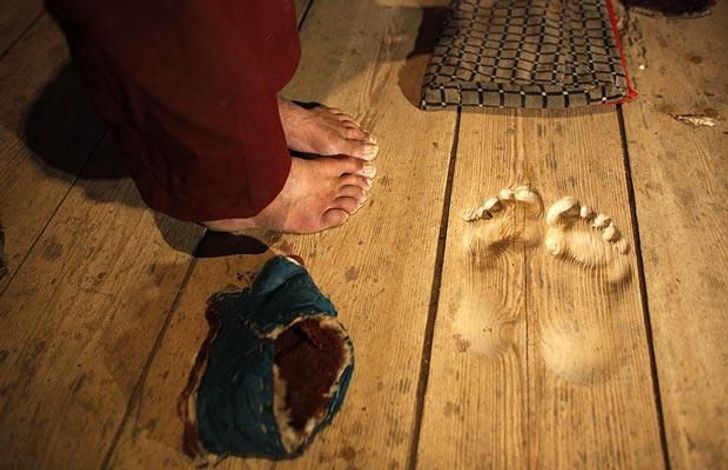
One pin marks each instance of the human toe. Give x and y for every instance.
(354, 166)
(360, 149)
(354, 192)
(348, 204)
(356, 180)
(354, 133)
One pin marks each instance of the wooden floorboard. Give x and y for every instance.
(92, 271)
(47, 131)
(534, 362)
(377, 268)
(80, 318)
(537, 361)
(15, 18)
(680, 176)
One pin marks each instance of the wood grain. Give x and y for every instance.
(15, 17)
(536, 362)
(377, 268)
(81, 316)
(680, 176)
(47, 131)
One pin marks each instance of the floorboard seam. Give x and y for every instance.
(22, 35)
(14, 270)
(305, 14)
(434, 298)
(643, 287)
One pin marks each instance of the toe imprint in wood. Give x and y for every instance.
(601, 246)
(500, 221)
(507, 197)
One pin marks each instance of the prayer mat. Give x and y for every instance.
(527, 54)
(272, 372)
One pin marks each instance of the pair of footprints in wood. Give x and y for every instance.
(574, 346)
(577, 343)
(574, 231)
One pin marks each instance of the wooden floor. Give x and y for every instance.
(519, 361)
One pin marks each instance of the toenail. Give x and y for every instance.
(371, 139)
(369, 170)
(370, 151)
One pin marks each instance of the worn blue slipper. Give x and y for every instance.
(272, 372)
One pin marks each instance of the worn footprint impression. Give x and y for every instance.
(577, 233)
(511, 217)
(485, 317)
(579, 344)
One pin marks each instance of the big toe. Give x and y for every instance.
(360, 149)
(350, 132)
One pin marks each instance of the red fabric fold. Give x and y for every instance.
(189, 91)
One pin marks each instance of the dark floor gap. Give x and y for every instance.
(305, 14)
(434, 298)
(21, 36)
(643, 286)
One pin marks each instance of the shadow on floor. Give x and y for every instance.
(411, 74)
(63, 131)
(69, 142)
(219, 244)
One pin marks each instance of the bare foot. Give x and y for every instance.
(319, 194)
(324, 131)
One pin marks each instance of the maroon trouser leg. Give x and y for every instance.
(188, 88)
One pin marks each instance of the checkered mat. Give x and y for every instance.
(527, 54)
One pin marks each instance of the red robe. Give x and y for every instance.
(188, 88)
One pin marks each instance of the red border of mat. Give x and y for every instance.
(631, 92)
